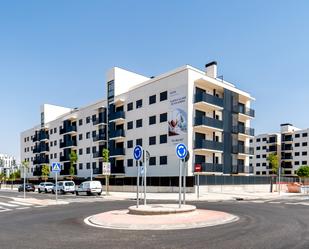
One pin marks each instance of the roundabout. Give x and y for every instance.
(159, 217)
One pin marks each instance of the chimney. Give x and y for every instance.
(211, 69)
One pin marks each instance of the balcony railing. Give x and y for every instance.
(65, 158)
(117, 115)
(41, 148)
(285, 147)
(99, 137)
(69, 143)
(287, 157)
(41, 160)
(211, 167)
(117, 133)
(117, 152)
(287, 138)
(209, 122)
(211, 99)
(244, 110)
(243, 130)
(100, 120)
(208, 144)
(67, 129)
(43, 135)
(242, 149)
(238, 169)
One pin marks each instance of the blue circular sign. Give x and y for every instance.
(138, 152)
(181, 151)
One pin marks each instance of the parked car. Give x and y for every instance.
(89, 187)
(46, 187)
(28, 187)
(64, 187)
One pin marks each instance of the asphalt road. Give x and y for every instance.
(261, 225)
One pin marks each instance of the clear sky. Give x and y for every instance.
(58, 52)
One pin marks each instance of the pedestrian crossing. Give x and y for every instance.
(9, 205)
(277, 202)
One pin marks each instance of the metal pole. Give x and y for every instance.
(24, 182)
(145, 176)
(179, 201)
(91, 168)
(198, 186)
(137, 185)
(56, 187)
(279, 180)
(184, 182)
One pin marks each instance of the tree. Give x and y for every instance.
(273, 160)
(45, 171)
(73, 160)
(25, 164)
(303, 171)
(105, 154)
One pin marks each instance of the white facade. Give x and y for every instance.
(7, 164)
(292, 148)
(212, 117)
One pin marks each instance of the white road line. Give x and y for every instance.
(21, 203)
(274, 202)
(23, 208)
(8, 204)
(258, 201)
(39, 206)
(5, 210)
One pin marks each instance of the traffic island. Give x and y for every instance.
(159, 217)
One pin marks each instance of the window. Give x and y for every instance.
(152, 140)
(51, 156)
(264, 147)
(163, 139)
(130, 162)
(51, 144)
(304, 162)
(55, 130)
(258, 156)
(152, 120)
(152, 161)
(258, 140)
(152, 99)
(139, 141)
(296, 153)
(305, 134)
(88, 135)
(139, 123)
(80, 137)
(264, 156)
(251, 140)
(139, 103)
(297, 144)
(94, 133)
(258, 165)
(55, 155)
(264, 139)
(51, 131)
(304, 144)
(94, 149)
(130, 125)
(163, 160)
(304, 153)
(296, 162)
(88, 165)
(80, 122)
(163, 117)
(130, 106)
(55, 143)
(263, 164)
(94, 118)
(88, 120)
(130, 144)
(80, 166)
(258, 172)
(88, 150)
(163, 96)
(80, 151)
(297, 135)
(258, 148)
(94, 165)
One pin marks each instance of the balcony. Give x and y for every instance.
(97, 154)
(117, 134)
(117, 115)
(37, 171)
(35, 138)
(43, 135)
(287, 138)
(41, 160)
(99, 137)
(243, 130)
(68, 129)
(66, 169)
(286, 147)
(100, 120)
(244, 110)
(97, 171)
(41, 148)
(117, 152)
(65, 158)
(208, 122)
(241, 149)
(70, 143)
(287, 157)
(207, 98)
(209, 145)
(238, 169)
(211, 167)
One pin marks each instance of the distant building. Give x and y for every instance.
(7, 164)
(291, 144)
(186, 105)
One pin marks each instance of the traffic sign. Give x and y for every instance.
(138, 152)
(181, 151)
(197, 168)
(142, 170)
(56, 167)
(106, 171)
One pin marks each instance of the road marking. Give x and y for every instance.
(21, 203)
(23, 208)
(39, 206)
(258, 201)
(274, 202)
(8, 204)
(5, 210)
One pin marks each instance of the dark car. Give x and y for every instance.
(28, 186)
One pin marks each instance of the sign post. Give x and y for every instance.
(106, 171)
(56, 168)
(181, 152)
(137, 154)
(198, 169)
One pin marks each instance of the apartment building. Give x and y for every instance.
(211, 116)
(291, 146)
(7, 164)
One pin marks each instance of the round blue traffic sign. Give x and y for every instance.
(181, 151)
(137, 152)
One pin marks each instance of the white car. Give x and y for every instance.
(89, 187)
(64, 187)
(46, 187)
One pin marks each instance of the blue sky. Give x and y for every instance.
(59, 51)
